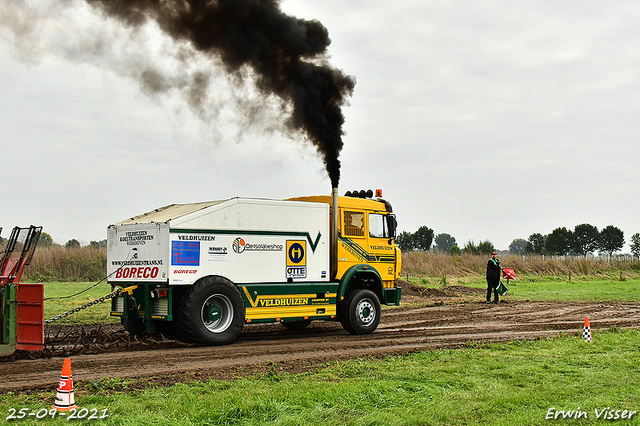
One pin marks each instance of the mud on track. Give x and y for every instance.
(455, 317)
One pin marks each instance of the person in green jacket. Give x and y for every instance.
(493, 277)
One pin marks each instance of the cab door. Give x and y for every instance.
(382, 253)
(353, 247)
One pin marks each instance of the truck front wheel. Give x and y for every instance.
(212, 311)
(360, 311)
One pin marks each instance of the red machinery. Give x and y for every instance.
(21, 304)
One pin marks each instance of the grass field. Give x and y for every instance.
(518, 383)
(589, 291)
(531, 382)
(523, 289)
(594, 290)
(93, 314)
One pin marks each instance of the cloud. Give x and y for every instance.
(485, 120)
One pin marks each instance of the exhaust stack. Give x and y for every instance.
(334, 232)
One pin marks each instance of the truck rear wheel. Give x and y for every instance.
(211, 311)
(360, 311)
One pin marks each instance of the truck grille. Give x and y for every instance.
(161, 306)
(118, 304)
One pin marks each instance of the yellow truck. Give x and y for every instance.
(205, 269)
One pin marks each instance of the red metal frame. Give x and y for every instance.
(18, 253)
(30, 317)
(24, 302)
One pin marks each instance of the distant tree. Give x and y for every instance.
(405, 241)
(94, 244)
(71, 244)
(611, 240)
(45, 240)
(470, 248)
(423, 238)
(486, 247)
(517, 246)
(444, 242)
(455, 251)
(535, 244)
(585, 239)
(102, 243)
(559, 241)
(635, 244)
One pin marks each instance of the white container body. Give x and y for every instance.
(245, 240)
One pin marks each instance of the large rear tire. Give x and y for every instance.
(211, 311)
(360, 312)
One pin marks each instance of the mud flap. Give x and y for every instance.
(30, 317)
(7, 345)
(6, 350)
(7, 322)
(391, 296)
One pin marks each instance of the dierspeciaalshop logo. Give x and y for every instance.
(240, 245)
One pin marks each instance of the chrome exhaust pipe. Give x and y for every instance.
(334, 232)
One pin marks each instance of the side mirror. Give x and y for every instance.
(392, 224)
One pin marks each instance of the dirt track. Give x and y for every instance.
(263, 348)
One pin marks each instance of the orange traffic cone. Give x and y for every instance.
(586, 331)
(64, 396)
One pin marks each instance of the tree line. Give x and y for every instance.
(424, 240)
(583, 240)
(47, 241)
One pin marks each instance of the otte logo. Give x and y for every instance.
(296, 259)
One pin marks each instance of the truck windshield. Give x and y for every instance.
(378, 226)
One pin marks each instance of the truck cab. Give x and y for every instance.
(366, 238)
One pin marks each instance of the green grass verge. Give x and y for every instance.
(98, 313)
(522, 289)
(498, 384)
(580, 291)
(589, 291)
(550, 289)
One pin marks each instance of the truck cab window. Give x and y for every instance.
(353, 224)
(377, 226)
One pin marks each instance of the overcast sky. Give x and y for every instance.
(486, 120)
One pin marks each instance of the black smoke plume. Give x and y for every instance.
(287, 55)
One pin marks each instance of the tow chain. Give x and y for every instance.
(85, 306)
